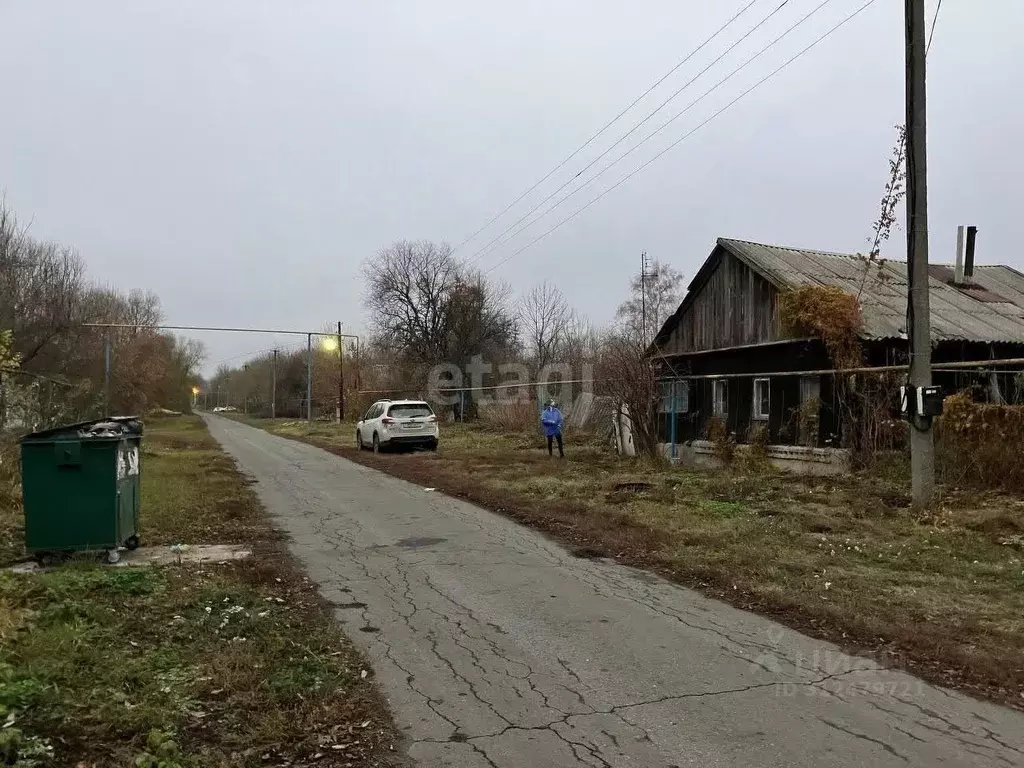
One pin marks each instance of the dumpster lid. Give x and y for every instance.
(112, 427)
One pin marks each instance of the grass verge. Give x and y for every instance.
(186, 665)
(843, 559)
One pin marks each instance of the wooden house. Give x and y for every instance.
(725, 354)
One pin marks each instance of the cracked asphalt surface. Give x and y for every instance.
(497, 648)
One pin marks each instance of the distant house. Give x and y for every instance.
(725, 354)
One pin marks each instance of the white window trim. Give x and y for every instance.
(758, 415)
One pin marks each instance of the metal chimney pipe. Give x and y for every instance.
(958, 272)
(972, 234)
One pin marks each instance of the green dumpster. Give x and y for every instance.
(80, 487)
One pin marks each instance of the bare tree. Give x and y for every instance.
(426, 307)
(408, 287)
(8, 362)
(44, 302)
(628, 377)
(479, 320)
(887, 221)
(652, 300)
(40, 284)
(581, 343)
(545, 319)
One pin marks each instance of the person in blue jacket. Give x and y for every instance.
(551, 419)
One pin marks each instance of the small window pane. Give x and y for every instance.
(665, 401)
(681, 391)
(720, 393)
(682, 397)
(762, 398)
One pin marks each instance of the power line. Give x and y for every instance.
(606, 126)
(678, 141)
(207, 328)
(931, 34)
(39, 377)
(664, 125)
(258, 352)
(901, 149)
(630, 132)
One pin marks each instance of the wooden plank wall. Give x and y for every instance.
(736, 306)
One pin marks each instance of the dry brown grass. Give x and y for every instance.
(979, 445)
(843, 558)
(191, 491)
(510, 416)
(186, 666)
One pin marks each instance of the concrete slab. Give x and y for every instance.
(191, 553)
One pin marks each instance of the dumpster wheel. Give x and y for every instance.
(132, 542)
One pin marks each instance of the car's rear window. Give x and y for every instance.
(410, 410)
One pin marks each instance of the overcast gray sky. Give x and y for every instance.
(242, 158)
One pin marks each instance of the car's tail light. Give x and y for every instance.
(387, 420)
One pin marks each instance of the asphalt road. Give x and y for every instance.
(495, 647)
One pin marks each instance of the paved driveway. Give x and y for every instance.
(495, 647)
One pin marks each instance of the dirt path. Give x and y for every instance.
(496, 647)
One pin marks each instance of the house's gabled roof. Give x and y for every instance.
(992, 310)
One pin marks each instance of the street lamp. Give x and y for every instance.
(332, 342)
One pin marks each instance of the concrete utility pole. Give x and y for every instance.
(643, 299)
(273, 387)
(922, 448)
(341, 377)
(309, 378)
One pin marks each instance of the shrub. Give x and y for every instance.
(510, 416)
(723, 444)
(828, 313)
(980, 444)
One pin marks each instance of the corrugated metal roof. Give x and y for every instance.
(956, 314)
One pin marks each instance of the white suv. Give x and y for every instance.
(395, 423)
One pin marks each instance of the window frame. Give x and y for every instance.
(674, 393)
(720, 405)
(756, 413)
(682, 396)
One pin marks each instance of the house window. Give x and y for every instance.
(682, 397)
(810, 388)
(810, 409)
(720, 396)
(762, 399)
